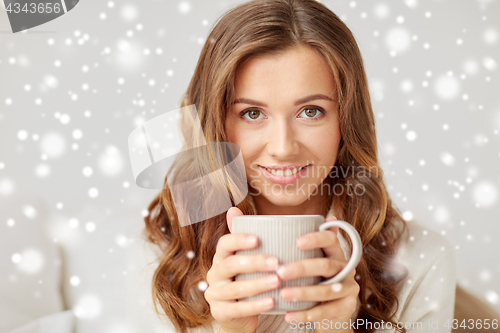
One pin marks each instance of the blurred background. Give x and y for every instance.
(74, 88)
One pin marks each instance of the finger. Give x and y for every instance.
(318, 239)
(242, 289)
(332, 218)
(232, 212)
(225, 311)
(336, 253)
(309, 241)
(241, 263)
(229, 243)
(319, 293)
(340, 309)
(326, 239)
(325, 267)
(335, 230)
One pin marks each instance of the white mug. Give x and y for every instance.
(277, 237)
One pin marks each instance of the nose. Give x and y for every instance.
(283, 142)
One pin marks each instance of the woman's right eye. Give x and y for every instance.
(252, 115)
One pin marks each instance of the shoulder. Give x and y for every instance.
(421, 246)
(428, 290)
(429, 258)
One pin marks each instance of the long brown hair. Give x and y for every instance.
(262, 27)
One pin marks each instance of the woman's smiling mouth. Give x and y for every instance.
(284, 175)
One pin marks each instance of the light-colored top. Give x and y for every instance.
(426, 298)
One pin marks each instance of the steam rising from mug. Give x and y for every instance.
(170, 149)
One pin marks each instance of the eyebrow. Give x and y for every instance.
(297, 102)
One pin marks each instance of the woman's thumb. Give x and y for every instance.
(233, 211)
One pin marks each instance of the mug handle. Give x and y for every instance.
(356, 249)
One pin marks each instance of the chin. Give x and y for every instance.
(285, 199)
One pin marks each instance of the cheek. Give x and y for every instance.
(326, 139)
(325, 147)
(229, 129)
(233, 134)
(247, 144)
(333, 146)
(250, 152)
(333, 142)
(333, 137)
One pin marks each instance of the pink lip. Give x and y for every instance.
(284, 180)
(277, 167)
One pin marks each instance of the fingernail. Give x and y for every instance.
(266, 302)
(251, 239)
(272, 262)
(337, 287)
(286, 293)
(303, 243)
(289, 317)
(272, 280)
(280, 270)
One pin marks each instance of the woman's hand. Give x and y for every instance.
(338, 299)
(222, 292)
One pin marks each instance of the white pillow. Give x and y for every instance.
(114, 269)
(30, 263)
(60, 322)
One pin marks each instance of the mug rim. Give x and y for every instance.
(274, 216)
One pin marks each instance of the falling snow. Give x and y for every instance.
(447, 87)
(90, 226)
(129, 13)
(93, 192)
(42, 170)
(111, 161)
(88, 307)
(485, 193)
(203, 285)
(30, 261)
(87, 171)
(74, 281)
(80, 92)
(7, 186)
(53, 144)
(29, 211)
(398, 39)
(447, 159)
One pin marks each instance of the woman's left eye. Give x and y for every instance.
(253, 115)
(312, 112)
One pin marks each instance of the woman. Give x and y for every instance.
(284, 80)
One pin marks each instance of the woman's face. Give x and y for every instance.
(285, 116)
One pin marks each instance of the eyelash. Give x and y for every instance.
(322, 112)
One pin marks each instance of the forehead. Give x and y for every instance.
(294, 70)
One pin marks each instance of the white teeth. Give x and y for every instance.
(286, 173)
